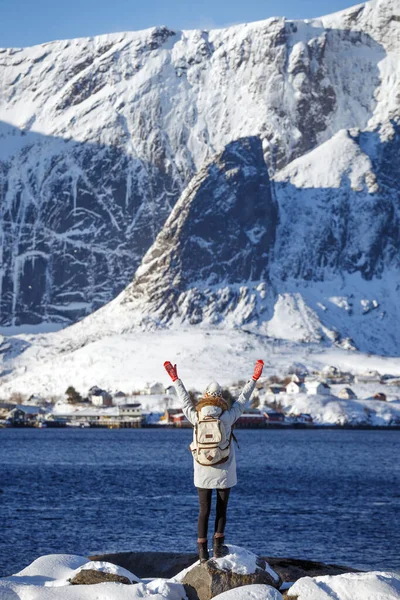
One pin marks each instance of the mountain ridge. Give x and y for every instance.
(137, 105)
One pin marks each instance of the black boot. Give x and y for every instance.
(203, 551)
(219, 549)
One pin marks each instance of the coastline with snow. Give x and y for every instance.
(234, 577)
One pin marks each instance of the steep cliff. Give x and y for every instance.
(101, 136)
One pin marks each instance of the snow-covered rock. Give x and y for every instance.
(105, 567)
(238, 568)
(251, 592)
(47, 578)
(375, 585)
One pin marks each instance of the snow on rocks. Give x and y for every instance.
(243, 562)
(251, 592)
(50, 570)
(107, 568)
(375, 585)
(238, 568)
(49, 578)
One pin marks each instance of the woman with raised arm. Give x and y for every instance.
(213, 453)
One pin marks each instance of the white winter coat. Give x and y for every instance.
(223, 475)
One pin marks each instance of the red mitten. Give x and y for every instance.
(258, 370)
(171, 370)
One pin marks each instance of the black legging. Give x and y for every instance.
(205, 496)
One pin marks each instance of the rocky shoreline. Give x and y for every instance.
(238, 575)
(168, 564)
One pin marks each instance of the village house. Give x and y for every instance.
(54, 420)
(24, 416)
(168, 415)
(179, 420)
(99, 397)
(296, 378)
(154, 388)
(273, 417)
(303, 419)
(37, 400)
(329, 371)
(294, 387)
(317, 388)
(132, 411)
(368, 377)
(114, 416)
(251, 419)
(346, 393)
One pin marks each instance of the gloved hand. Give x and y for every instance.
(171, 370)
(258, 369)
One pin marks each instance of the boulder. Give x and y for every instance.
(239, 568)
(91, 576)
(374, 585)
(292, 569)
(150, 564)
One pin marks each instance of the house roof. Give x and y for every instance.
(316, 383)
(112, 411)
(29, 410)
(178, 415)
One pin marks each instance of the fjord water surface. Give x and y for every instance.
(330, 495)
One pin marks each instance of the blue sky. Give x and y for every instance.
(28, 22)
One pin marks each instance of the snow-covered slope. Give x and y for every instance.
(100, 136)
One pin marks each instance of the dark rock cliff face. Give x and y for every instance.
(218, 236)
(75, 220)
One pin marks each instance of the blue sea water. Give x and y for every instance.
(330, 495)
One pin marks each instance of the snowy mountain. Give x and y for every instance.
(100, 137)
(240, 182)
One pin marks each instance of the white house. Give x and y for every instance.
(317, 388)
(99, 397)
(154, 388)
(346, 393)
(130, 411)
(102, 400)
(296, 378)
(330, 371)
(368, 377)
(294, 387)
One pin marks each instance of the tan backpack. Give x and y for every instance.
(210, 446)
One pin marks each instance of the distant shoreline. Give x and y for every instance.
(275, 426)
